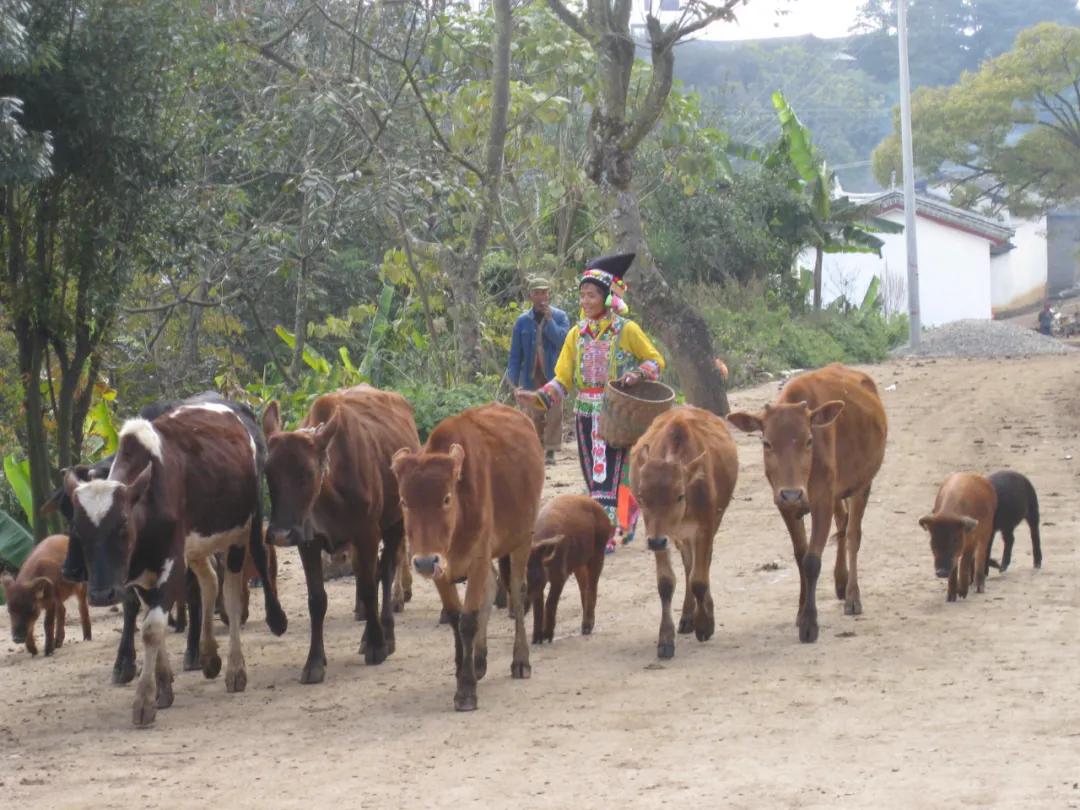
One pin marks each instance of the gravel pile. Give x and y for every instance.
(982, 339)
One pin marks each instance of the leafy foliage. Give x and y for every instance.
(1008, 134)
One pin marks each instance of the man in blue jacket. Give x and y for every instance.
(538, 338)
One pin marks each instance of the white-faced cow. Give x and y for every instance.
(180, 488)
(331, 487)
(470, 496)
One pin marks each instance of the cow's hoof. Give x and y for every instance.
(236, 681)
(520, 670)
(87, 636)
(48, 652)
(408, 594)
(211, 665)
(480, 665)
(665, 649)
(444, 616)
(313, 672)
(704, 629)
(501, 600)
(686, 624)
(143, 713)
(123, 672)
(164, 694)
(391, 646)
(808, 632)
(398, 606)
(853, 607)
(586, 629)
(277, 621)
(191, 662)
(465, 702)
(374, 654)
(950, 597)
(360, 613)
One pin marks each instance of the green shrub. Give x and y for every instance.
(431, 403)
(756, 332)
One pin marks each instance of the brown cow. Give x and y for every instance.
(683, 472)
(571, 535)
(960, 527)
(824, 441)
(470, 496)
(39, 587)
(331, 486)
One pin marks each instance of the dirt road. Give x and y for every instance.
(916, 703)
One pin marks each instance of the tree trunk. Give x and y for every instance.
(818, 255)
(300, 314)
(681, 328)
(466, 279)
(31, 343)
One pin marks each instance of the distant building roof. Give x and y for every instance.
(934, 209)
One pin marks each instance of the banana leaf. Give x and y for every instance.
(18, 478)
(15, 544)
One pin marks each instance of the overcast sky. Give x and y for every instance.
(758, 20)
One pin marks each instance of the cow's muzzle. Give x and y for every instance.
(19, 637)
(942, 572)
(292, 536)
(657, 543)
(428, 565)
(791, 498)
(104, 597)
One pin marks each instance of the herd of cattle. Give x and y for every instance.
(185, 490)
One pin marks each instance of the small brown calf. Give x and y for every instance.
(570, 536)
(960, 528)
(39, 587)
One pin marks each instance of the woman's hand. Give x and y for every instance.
(526, 398)
(631, 378)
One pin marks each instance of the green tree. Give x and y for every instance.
(109, 99)
(619, 122)
(1008, 134)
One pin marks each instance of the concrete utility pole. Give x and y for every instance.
(908, 165)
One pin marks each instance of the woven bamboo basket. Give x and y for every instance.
(627, 412)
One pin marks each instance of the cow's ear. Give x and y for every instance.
(695, 468)
(457, 453)
(400, 459)
(642, 454)
(137, 488)
(968, 523)
(826, 414)
(70, 482)
(43, 588)
(926, 521)
(746, 422)
(324, 433)
(271, 421)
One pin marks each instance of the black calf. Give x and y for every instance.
(1016, 501)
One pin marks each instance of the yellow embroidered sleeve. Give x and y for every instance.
(567, 362)
(634, 341)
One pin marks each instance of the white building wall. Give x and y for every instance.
(954, 272)
(1019, 275)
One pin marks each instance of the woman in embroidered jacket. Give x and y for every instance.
(604, 346)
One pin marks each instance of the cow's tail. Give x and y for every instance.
(276, 619)
(549, 547)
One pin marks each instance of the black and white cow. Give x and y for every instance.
(180, 488)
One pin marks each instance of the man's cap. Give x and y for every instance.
(538, 282)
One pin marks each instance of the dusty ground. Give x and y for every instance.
(916, 703)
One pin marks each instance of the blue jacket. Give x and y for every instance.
(523, 346)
